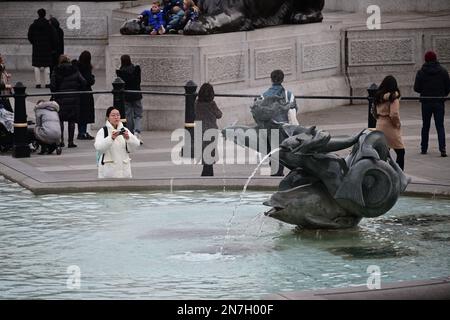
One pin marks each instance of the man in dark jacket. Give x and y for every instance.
(432, 81)
(42, 36)
(131, 75)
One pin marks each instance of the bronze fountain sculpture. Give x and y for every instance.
(324, 190)
(221, 16)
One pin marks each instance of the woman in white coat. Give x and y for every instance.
(114, 149)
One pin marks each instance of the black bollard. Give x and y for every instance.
(189, 118)
(372, 122)
(21, 148)
(119, 98)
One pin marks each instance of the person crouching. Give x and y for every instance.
(114, 142)
(47, 130)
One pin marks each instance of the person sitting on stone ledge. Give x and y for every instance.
(153, 19)
(175, 20)
(191, 13)
(167, 6)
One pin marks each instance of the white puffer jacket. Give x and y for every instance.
(116, 160)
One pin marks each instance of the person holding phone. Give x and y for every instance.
(114, 143)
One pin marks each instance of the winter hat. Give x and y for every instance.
(430, 56)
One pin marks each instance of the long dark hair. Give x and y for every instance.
(85, 60)
(2, 64)
(125, 61)
(206, 93)
(388, 85)
(54, 22)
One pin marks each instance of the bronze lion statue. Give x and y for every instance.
(219, 16)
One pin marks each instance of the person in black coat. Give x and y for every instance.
(66, 77)
(59, 44)
(432, 80)
(131, 75)
(207, 112)
(87, 110)
(42, 36)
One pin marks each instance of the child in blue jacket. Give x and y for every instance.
(155, 18)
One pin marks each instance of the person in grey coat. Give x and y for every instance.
(47, 130)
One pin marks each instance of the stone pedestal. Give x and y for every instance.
(340, 56)
(240, 62)
(95, 26)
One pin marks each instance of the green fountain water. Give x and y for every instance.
(167, 246)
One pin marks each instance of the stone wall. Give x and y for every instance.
(15, 18)
(375, 54)
(239, 62)
(388, 6)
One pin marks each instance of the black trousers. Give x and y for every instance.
(430, 109)
(71, 129)
(400, 158)
(209, 159)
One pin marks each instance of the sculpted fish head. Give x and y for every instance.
(308, 206)
(305, 140)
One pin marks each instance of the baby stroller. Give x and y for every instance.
(6, 130)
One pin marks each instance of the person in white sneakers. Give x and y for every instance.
(42, 37)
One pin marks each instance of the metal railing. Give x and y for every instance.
(21, 147)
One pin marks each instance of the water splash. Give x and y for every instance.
(223, 177)
(201, 257)
(261, 227)
(241, 196)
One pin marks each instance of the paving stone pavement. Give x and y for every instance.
(153, 164)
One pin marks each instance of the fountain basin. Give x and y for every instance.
(149, 245)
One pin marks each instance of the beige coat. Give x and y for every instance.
(389, 122)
